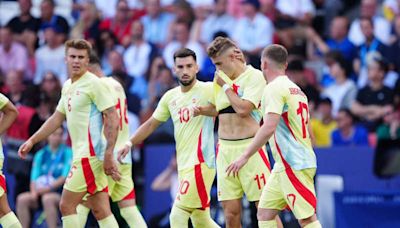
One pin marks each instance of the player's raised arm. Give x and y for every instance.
(51, 124)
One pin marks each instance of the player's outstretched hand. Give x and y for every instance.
(111, 169)
(24, 149)
(122, 153)
(236, 166)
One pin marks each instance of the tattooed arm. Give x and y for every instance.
(111, 134)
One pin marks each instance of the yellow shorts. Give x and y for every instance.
(291, 188)
(195, 186)
(124, 188)
(252, 177)
(86, 175)
(3, 186)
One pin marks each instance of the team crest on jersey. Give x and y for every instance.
(78, 93)
(173, 103)
(194, 100)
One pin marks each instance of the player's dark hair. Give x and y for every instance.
(184, 52)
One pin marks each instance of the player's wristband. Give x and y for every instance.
(225, 87)
(129, 143)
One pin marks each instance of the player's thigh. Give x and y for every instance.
(298, 189)
(123, 189)
(195, 186)
(254, 175)
(272, 196)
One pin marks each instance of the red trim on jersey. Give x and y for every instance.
(303, 190)
(286, 119)
(3, 183)
(201, 188)
(130, 195)
(105, 189)
(199, 151)
(235, 88)
(264, 158)
(89, 176)
(91, 148)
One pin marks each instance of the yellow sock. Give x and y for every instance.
(133, 217)
(70, 221)
(202, 218)
(83, 213)
(10, 221)
(314, 224)
(108, 222)
(179, 218)
(267, 224)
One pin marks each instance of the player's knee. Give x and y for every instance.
(232, 215)
(66, 208)
(265, 215)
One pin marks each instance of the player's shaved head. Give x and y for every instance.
(277, 54)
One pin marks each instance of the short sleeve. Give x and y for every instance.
(162, 112)
(254, 89)
(274, 99)
(3, 101)
(60, 105)
(100, 95)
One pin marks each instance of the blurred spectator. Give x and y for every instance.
(106, 43)
(156, 23)
(292, 13)
(201, 12)
(183, 12)
(160, 82)
(166, 180)
(25, 26)
(50, 169)
(337, 40)
(348, 134)
(87, 26)
(121, 24)
(49, 19)
(181, 34)
(13, 56)
(390, 129)
(397, 94)
(50, 87)
(394, 48)
(138, 85)
(15, 87)
(297, 74)
(253, 31)
(138, 55)
(323, 124)
(218, 21)
(371, 44)
(343, 91)
(269, 10)
(391, 9)
(375, 100)
(50, 57)
(381, 28)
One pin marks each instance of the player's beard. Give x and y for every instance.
(186, 83)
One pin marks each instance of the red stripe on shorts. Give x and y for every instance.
(217, 150)
(303, 190)
(130, 196)
(3, 183)
(264, 158)
(199, 150)
(201, 188)
(91, 148)
(89, 176)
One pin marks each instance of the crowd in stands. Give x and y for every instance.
(343, 54)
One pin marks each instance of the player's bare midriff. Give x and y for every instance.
(233, 127)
